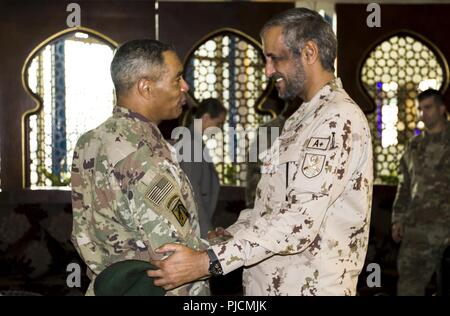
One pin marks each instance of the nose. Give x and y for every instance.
(184, 86)
(269, 68)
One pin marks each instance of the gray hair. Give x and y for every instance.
(136, 59)
(301, 25)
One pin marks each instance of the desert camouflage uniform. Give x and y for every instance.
(308, 232)
(422, 206)
(130, 197)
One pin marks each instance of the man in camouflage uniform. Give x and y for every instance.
(421, 210)
(129, 194)
(308, 231)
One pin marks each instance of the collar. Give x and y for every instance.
(444, 134)
(120, 111)
(307, 107)
(123, 112)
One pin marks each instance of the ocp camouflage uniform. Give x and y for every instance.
(308, 232)
(130, 197)
(422, 206)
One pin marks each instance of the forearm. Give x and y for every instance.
(236, 253)
(243, 222)
(400, 207)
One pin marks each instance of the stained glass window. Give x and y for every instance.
(394, 72)
(229, 66)
(70, 79)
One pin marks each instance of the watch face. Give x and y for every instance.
(215, 268)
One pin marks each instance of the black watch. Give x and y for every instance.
(215, 268)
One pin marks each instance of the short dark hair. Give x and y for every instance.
(136, 59)
(301, 25)
(437, 96)
(211, 106)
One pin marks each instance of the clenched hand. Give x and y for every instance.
(183, 266)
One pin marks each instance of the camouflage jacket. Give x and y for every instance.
(424, 178)
(129, 196)
(308, 231)
(253, 170)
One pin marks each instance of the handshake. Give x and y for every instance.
(219, 234)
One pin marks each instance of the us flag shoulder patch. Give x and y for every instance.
(160, 190)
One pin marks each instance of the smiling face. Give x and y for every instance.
(168, 93)
(285, 68)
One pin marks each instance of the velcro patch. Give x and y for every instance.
(318, 143)
(160, 190)
(312, 165)
(180, 212)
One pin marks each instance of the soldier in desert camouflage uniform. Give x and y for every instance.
(129, 194)
(421, 211)
(308, 231)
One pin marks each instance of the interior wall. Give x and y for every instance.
(355, 38)
(25, 24)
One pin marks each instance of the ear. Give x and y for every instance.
(310, 52)
(206, 117)
(144, 87)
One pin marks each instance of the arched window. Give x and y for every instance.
(68, 77)
(229, 65)
(393, 73)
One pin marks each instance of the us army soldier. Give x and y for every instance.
(308, 231)
(421, 211)
(129, 194)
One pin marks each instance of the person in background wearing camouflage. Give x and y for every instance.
(129, 194)
(308, 231)
(421, 210)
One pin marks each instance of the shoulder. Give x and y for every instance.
(414, 142)
(344, 111)
(276, 122)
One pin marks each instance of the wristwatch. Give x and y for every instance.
(215, 268)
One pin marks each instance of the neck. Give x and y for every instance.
(317, 83)
(438, 128)
(137, 107)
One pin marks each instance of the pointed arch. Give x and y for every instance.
(391, 74)
(228, 64)
(56, 44)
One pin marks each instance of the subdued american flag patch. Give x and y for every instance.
(160, 190)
